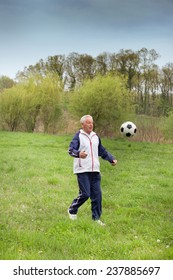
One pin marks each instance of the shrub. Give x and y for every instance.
(10, 108)
(36, 98)
(105, 98)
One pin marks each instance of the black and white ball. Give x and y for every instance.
(128, 129)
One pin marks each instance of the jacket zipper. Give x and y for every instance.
(91, 149)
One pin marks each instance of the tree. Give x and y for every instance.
(146, 80)
(105, 98)
(102, 64)
(36, 97)
(6, 82)
(42, 99)
(10, 107)
(126, 63)
(78, 67)
(166, 90)
(53, 64)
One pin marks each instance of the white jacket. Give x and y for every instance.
(91, 144)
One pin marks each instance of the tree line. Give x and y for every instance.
(109, 87)
(152, 87)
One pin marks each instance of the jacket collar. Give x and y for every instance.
(88, 135)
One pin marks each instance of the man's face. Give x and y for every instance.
(88, 125)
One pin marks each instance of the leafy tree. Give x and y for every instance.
(42, 99)
(125, 62)
(53, 64)
(166, 86)
(10, 105)
(147, 58)
(78, 67)
(6, 82)
(36, 97)
(50, 97)
(105, 98)
(102, 64)
(30, 105)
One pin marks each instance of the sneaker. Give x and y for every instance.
(72, 216)
(100, 223)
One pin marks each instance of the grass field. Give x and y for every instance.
(37, 185)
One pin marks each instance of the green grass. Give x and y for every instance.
(37, 186)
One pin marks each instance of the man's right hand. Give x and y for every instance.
(83, 154)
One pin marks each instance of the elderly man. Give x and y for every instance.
(86, 148)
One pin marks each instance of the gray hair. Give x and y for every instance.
(83, 119)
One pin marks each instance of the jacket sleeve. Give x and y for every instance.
(104, 153)
(74, 146)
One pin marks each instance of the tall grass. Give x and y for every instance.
(153, 129)
(37, 186)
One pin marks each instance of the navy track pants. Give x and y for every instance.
(89, 187)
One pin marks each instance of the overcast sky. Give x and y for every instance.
(35, 29)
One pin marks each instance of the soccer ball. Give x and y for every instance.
(128, 129)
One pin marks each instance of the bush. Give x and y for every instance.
(106, 99)
(10, 108)
(37, 98)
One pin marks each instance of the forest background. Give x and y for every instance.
(53, 94)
